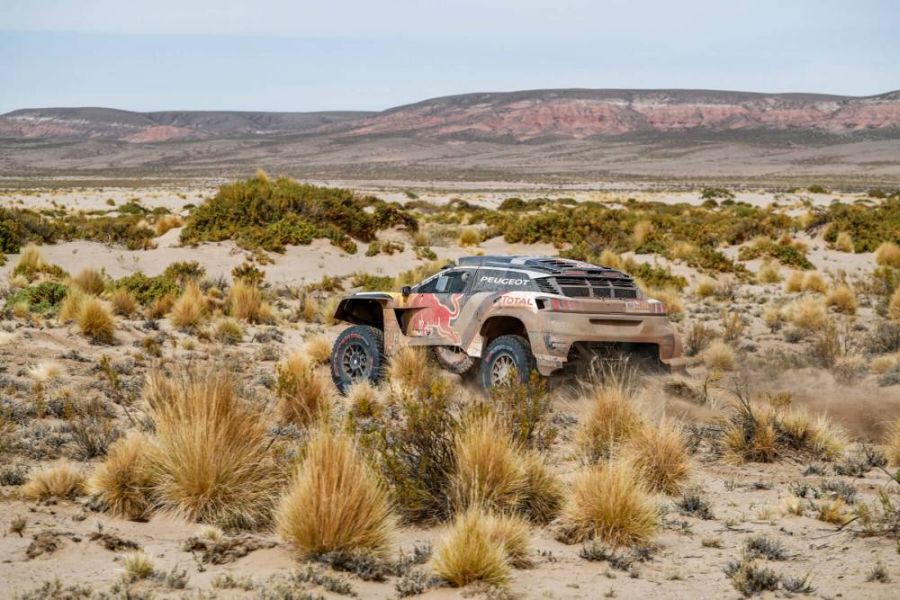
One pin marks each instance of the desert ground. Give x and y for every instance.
(768, 468)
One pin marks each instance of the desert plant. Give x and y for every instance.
(334, 502)
(59, 481)
(719, 355)
(888, 255)
(750, 435)
(161, 306)
(489, 470)
(768, 273)
(138, 566)
(843, 242)
(513, 534)
(246, 303)
(894, 305)
(318, 349)
(190, 308)
(842, 299)
(609, 502)
(697, 338)
(95, 322)
(612, 419)
(807, 314)
(794, 282)
(165, 223)
(71, 305)
(124, 481)
(469, 236)
(705, 287)
(814, 282)
(668, 296)
(304, 393)
(229, 331)
(123, 302)
(892, 443)
(409, 369)
(90, 281)
(659, 454)
(213, 465)
(470, 552)
(543, 493)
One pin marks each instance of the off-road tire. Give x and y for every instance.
(462, 365)
(514, 351)
(357, 355)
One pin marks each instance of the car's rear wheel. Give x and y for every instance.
(508, 359)
(357, 355)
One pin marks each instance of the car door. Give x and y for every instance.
(436, 304)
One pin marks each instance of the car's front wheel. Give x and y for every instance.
(508, 358)
(357, 355)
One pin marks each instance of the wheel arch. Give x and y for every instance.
(362, 311)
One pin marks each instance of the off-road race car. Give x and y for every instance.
(507, 315)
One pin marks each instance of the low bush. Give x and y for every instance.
(95, 322)
(304, 393)
(44, 298)
(659, 454)
(124, 481)
(61, 481)
(471, 552)
(612, 419)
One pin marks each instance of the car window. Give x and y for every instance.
(451, 282)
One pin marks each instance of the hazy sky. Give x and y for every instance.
(365, 54)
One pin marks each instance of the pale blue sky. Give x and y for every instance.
(300, 55)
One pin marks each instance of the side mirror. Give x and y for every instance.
(406, 291)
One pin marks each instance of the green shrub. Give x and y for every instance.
(267, 214)
(43, 298)
(185, 271)
(372, 283)
(147, 290)
(786, 254)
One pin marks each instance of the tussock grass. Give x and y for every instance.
(166, 223)
(47, 370)
(138, 566)
(212, 464)
(705, 287)
(62, 481)
(612, 419)
(124, 481)
(751, 436)
(472, 552)
(659, 454)
(318, 349)
(843, 242)
(668, 296)
(71, 304)
(190, 308)
(807, 313)
(304, 393)
(30, 260)
(363, 400)
(610, 259)
(229, 331)
(794, 282)
(90, 281)
(513, 534)
(719, 355)
(489, 470)
(409, 369)
(543, 493)
(888, 255)
(123, 302)
(335, 503)
(832, 511)
(843, 299)
(161, 306)
(814, 282)
(892, 443)
(246, 303)
(768, 273)
(469, 236)
(818, 435)
(879, 364)
(894, 305)
(609, 502)
(95, 322)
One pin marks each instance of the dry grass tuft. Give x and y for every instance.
(31, 260)
(832, 511)
(751, 437)
(610, 259)
(161, 306)
(794, 282)
(318, 349)
(471, 552)
(543, 493)
(213, 465)
(190, 308)
(246, 303)
(888, 255)
(814, 282)
(304, 393)
(843, 299)
(71, 304)
(660, 456)
(669, 297)
(612, 419)
(609, 502)
(894, 305)
(719, 355)
(880, 364)
(768, 273)
(514, 535)
(95, 322)
(705, 287)
(123, 303)
(138, 566)
(335, 503)
(124, 481)
(409, 369)
(47, 370)
(844, 242)
(489, 470)
(470, 236)
(59, 481)
(90, 281)
(363, 400)
(892, 443)
(166, 223)
(807, 313)
(229, 331)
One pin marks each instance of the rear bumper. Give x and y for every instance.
(558, 331)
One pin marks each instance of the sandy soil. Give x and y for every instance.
(690, 553)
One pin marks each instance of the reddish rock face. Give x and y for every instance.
(514, 116)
